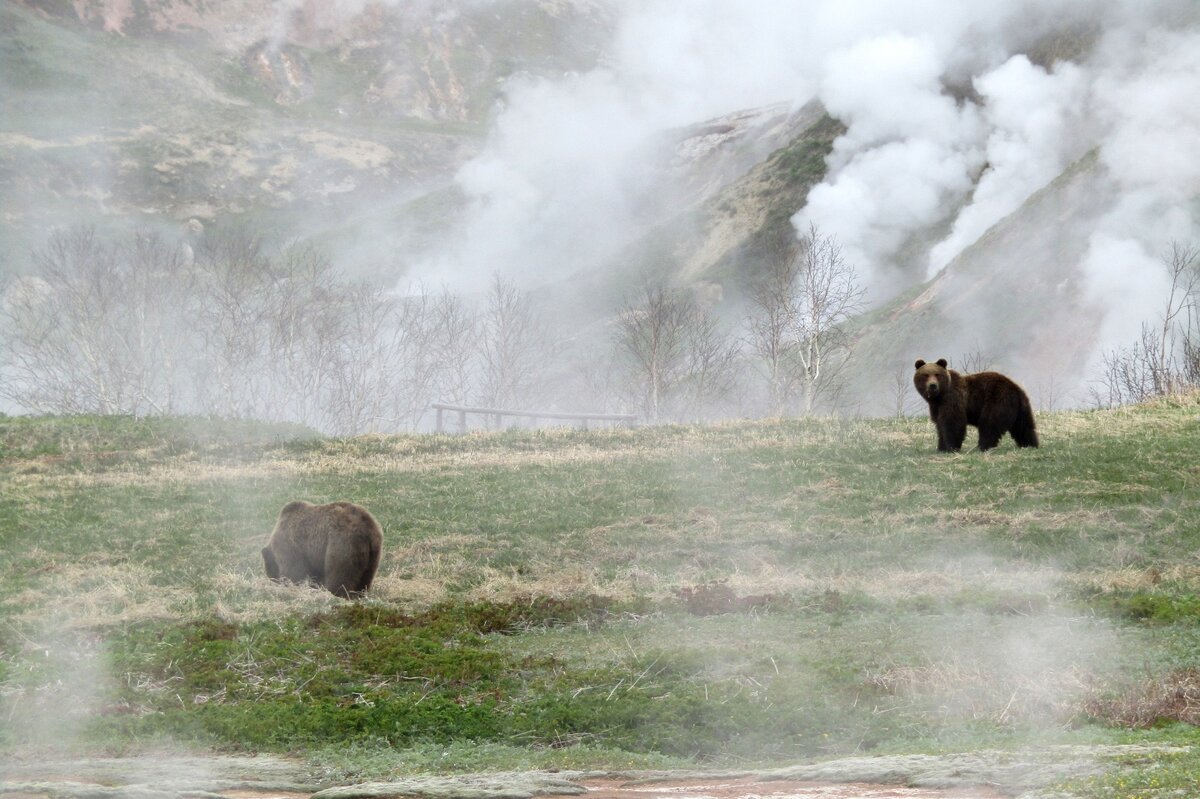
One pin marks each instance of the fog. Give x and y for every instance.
(580, 186)
(954, 116)
(951, 126)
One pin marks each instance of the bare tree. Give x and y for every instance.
(678, 361)
(513, 346)
(308, 310)
(455, 335)
(710, 368)
(799, 309)
(161, 299)
(973, 361)
(232, 324)
(96, 329)
(419, 325)
(902, 392)
(771, 323)
(829, 297)
(650, 331)
(370, 364)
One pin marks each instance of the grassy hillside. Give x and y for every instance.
(751, 593)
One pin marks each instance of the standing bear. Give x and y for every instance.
(335, 545)
(989, 401)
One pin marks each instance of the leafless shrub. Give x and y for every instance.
(395, 355)
(973, 361)
(308, 309)
(270, 330)
(650, 332)
(906, 400)
(771, 324)
(710, 369)
(1166, 357)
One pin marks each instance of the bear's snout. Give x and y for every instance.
(932, 389)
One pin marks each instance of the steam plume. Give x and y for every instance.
(955, 115)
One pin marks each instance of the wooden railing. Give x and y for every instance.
(498, 414)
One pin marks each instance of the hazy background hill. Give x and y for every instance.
(300, 120)
(1005, 181)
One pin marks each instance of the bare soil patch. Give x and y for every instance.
(756, 788)
(967, 775)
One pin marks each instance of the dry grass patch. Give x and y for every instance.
(827, 489)
(974, 691)
(245, 597)
(1173, 697)
(154, 476)
(1138, 578)
(97, 594)
(978, 517)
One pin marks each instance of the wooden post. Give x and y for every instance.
(439, 420)
(462, 421)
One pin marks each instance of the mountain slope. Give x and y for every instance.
(153, 114)
(1014, 300)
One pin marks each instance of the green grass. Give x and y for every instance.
(746, 593)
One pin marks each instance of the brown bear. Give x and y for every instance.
(988, 401)
(335, 545)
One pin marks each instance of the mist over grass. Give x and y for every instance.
(745, 593)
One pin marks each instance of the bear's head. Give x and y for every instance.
(932, 379)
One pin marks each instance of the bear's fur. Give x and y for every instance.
(988, 401)
(335, 545)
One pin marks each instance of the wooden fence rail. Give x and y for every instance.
(628, 419)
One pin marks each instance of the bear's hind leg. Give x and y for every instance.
(348, 573)
(343, 581)
(1023, 431)
(988, 439)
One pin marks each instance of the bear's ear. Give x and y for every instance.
(920, 363)
(942, 363)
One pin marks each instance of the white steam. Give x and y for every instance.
(909, 155)
(1031, 115)
(915, 159)
(1145, 100)
(956, 114)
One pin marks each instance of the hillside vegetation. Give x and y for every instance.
(749, 593)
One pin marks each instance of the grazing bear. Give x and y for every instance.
(989, 401)
(335, 545)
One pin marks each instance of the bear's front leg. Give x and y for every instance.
(944, 438)
(951, 433)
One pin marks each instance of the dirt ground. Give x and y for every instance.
(969, 775)
(737, 788)
(756, 788)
